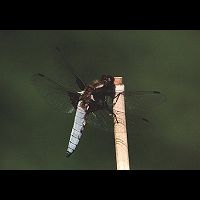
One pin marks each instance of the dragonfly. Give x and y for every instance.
(92, 103)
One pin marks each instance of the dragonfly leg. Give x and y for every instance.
(115, 117)
(110, 111)
(117, 97)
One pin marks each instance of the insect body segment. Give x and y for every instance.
(89, 101)
(77, 130)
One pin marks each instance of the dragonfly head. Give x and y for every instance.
(107, 80)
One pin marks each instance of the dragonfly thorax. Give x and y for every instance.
(96, 91)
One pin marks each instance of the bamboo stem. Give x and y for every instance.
(120, 133)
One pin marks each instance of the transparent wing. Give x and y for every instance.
(101, 120)
(136, 124)
(54, 93)
(141, 102)
(64, 70)
(137, 104)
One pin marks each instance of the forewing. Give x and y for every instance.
(141, 102)
(54, 93)
(65, 71)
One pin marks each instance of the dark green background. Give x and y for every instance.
(34, 136)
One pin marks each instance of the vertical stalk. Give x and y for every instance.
(120, 133)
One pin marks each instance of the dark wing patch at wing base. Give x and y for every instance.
(101, 120)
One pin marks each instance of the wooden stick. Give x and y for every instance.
(120, 133)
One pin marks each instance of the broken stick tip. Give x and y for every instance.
(117, 80)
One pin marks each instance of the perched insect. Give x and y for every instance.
(93, 103)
